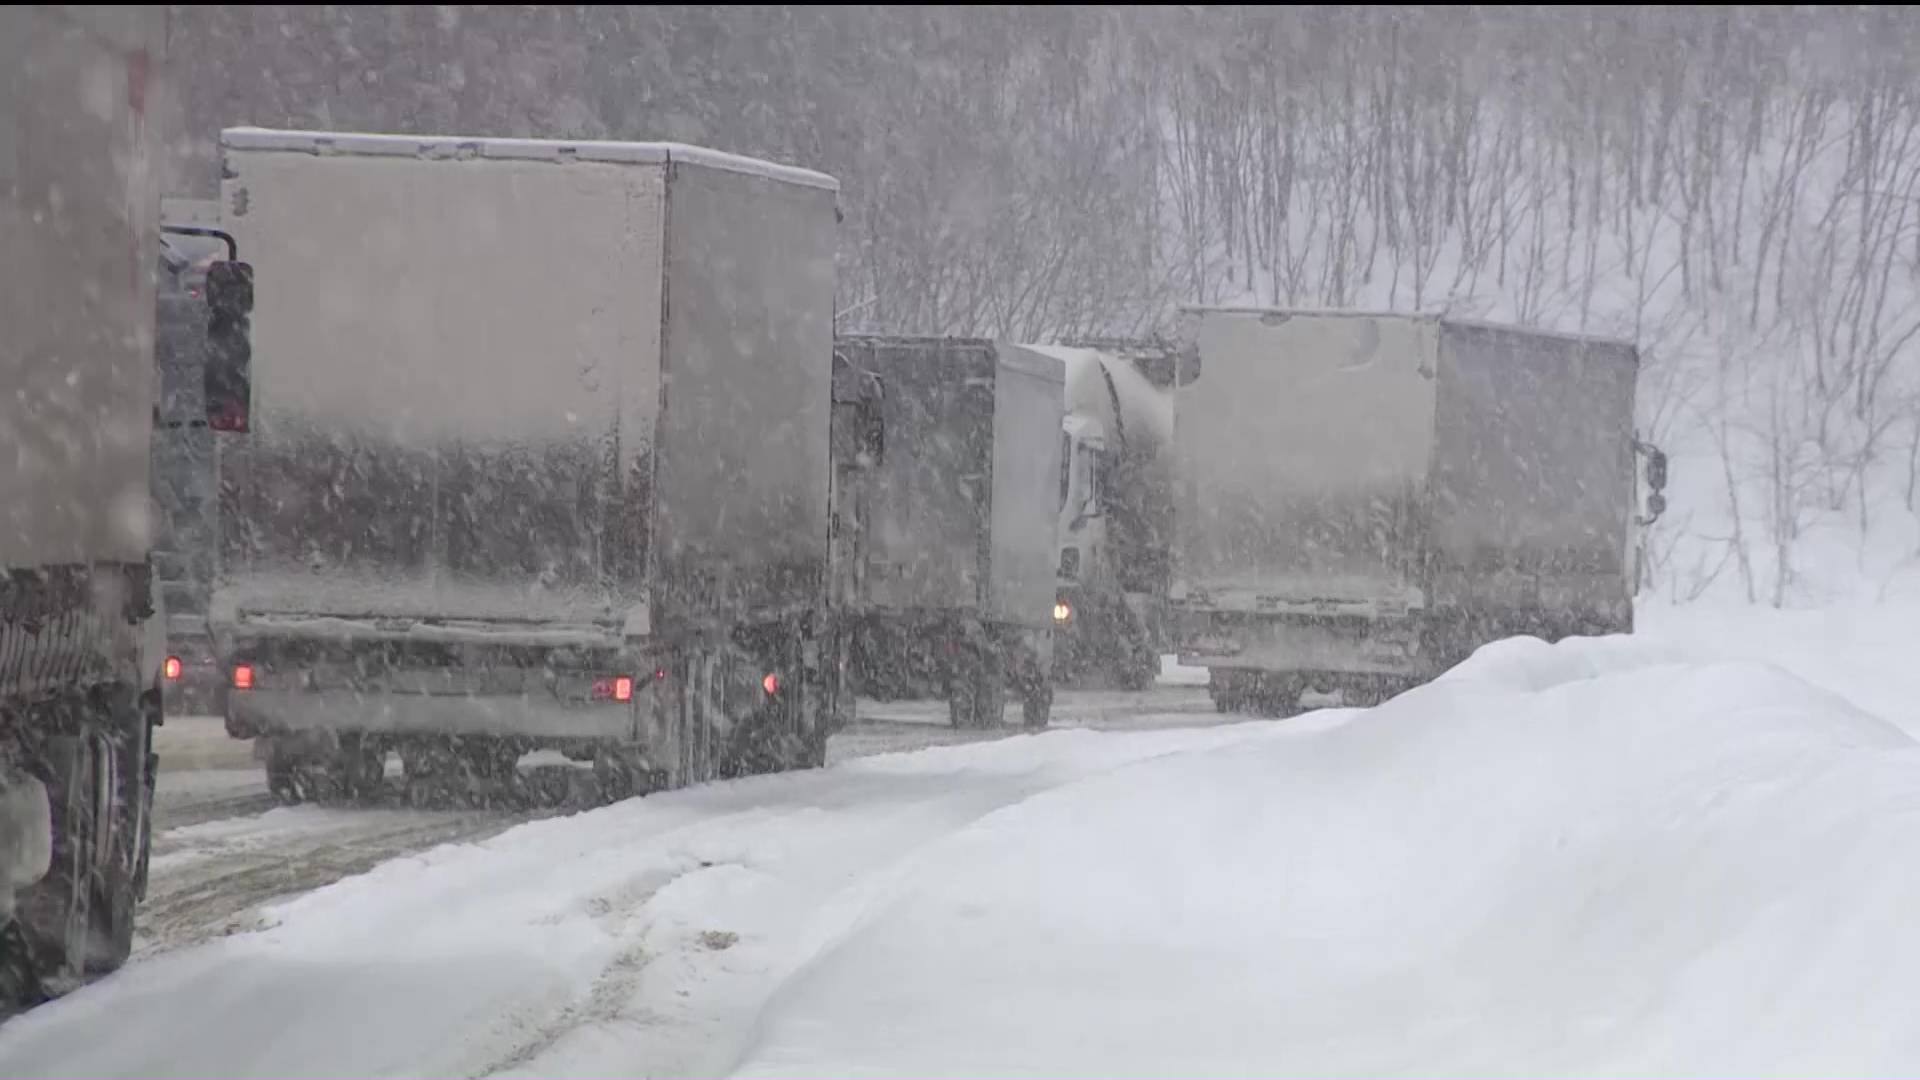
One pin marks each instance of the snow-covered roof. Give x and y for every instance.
(558, 151)
(1410, 316)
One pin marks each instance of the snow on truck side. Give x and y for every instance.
(538, 457)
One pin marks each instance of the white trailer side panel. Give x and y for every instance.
(77, 225)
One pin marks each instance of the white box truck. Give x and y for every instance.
(946, 465)
(535, 457)
(1364, 499)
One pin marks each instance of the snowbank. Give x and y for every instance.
(1644, 855)
(1592, 857)
(1863, 652)
(639, 939)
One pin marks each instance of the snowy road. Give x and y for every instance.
(1677, 854)
(222, 849)
(543, 949)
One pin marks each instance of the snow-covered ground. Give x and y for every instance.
(1691, 851)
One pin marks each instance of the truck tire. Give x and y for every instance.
(297, 773)
(811, 745)
(363, 767)
(962, 688)
(112, 923)
(1278, 695)
(977, 691)
(990, 699)
(77, 921)
(1138, 674)
(1226, 691)
(1036, 706)
(120, 887)
(153, 715)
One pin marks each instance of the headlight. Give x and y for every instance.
(1062, 611)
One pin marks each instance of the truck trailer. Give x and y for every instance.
(535, 457)
(81, 642)
(946, 458)
(1364, 499)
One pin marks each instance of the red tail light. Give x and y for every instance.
(770, 682)
(613, 688)
(171, 668)
(232, 419)
(243, 676)
(659, 674)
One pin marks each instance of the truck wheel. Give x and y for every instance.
(363, 766)
(618, 774)
(295, 776)
(1226, 691)
(280, 783)
(1138, 675)
(111, 915)
(1036, 707)
(990, 700)
(153, 714)
(20, 985)
(78, 919)
(119, 886)
(961, 689)
(1278, 696)
(491, 759)
(814, 749)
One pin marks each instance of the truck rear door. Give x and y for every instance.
(1302, 447)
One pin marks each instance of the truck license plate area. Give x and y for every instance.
(431, 668)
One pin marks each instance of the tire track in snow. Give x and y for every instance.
(214, 876)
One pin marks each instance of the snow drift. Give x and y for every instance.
(1579, 858)
(1616, 856)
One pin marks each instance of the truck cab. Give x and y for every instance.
(1083, 445)
(1113, 524)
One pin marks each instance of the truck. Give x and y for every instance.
(945, 454)
(1363, 499)
(81, 640)
(534, 457)
(1115, 528)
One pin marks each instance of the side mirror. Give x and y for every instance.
(228, 374)
(1657, 473)
(1656, 504)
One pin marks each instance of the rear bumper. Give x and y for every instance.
(1291, 643)
(1420, 643)
(252, 713)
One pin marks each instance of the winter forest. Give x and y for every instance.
(1736, 189)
